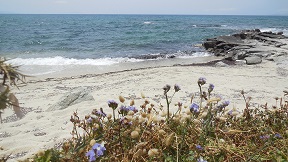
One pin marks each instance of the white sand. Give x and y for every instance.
(40, 129)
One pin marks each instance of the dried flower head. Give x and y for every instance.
(177, 88)
(134, 134)
(132, 103)
(153, 152)
(121, 99)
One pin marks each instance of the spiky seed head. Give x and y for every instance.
(132, 103)
(92, 142)
(153, 152)
(121, 99)
(134, 134)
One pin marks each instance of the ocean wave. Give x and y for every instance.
(58, 60)
(62, 61)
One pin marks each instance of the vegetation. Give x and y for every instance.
(9, 75)
(203, 131)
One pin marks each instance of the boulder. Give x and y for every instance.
(209, 44)
(230, 40)
(253, 60)
(77, 96)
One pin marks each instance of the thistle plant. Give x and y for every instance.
(208, 130)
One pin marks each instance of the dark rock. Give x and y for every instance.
(172, 56)
(209, 44)
(253, 60)
(230, 40)
(244, 45)
(280, 33)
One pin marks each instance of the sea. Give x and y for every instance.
(58, 40)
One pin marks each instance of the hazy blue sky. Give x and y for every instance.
(225, 7)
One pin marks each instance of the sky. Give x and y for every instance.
(181, 7)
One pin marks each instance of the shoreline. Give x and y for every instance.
(78, 70)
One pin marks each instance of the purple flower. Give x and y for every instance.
(113, 104)
(132, 108)
(277, 135)
(201, 81)
(89, 120)
(177, 88)
(194, 108)
(166, 88)
(100, 113)
(99, 149)
(230, 112)
(199, 147)
(264, 137)
(124, 121)
(225, 103)
(91, 155)
(211, 88)
(126, 109)
(223, 106)
(201, 160)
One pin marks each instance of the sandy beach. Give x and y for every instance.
(46, 125)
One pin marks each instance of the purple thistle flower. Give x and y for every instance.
(124, 121)
(113, 104)
(177, 88)
(201, 160)
(166, 88)
(194, 108)
(132, 108)
(226, 103)
(201, 81)
(89, 120)
(126, 109)
(277, 135)
(91, 155)
(264, 137)
(230, 112)
(211, 88)
(100, 113)
(99, 149)
(223, 106)
(199, 147)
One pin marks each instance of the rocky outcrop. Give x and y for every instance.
(249, 45)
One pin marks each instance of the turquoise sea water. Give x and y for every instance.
(110, 39)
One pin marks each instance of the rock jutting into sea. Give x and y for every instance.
(250, 45)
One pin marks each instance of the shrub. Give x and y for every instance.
(204, 131)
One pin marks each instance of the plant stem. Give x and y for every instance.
(114, 115)
(201, 97)
(166, 96)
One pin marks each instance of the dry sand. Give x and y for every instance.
(42, 129)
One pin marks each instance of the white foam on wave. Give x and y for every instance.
(275, 30)
(196, 54)
(147, 22)
(61, 61)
